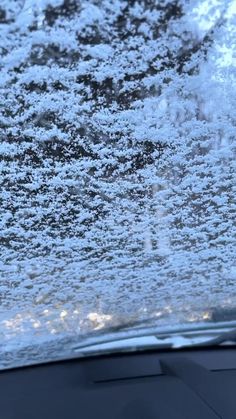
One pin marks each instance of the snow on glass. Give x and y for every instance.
(117, 160)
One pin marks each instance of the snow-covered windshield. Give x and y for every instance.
(117, 165)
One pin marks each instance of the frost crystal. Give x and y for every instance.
(117, 160)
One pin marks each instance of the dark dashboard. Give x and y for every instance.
(180, 384)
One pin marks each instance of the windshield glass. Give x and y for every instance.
(117, 166)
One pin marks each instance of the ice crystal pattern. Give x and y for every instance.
(117, 159)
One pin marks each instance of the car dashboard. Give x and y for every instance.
(161, 384)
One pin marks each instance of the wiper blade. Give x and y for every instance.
(223, 338)
(154, 337)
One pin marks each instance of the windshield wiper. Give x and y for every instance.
(222, 338)
(153, 337)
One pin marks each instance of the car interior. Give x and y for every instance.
(195, 383)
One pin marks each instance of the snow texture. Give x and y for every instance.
(117, 163)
